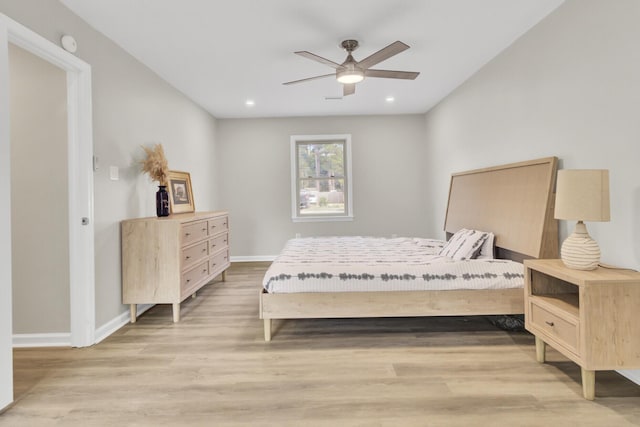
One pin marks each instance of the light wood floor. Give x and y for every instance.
(214, 369)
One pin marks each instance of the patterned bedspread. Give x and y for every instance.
(365, 264)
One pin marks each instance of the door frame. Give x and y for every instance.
(80, 184)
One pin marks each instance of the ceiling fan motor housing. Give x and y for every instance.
(349, 72)
(349, 45)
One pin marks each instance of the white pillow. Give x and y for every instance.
(487, 250)
(464, 244)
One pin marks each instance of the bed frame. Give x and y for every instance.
(514, 201)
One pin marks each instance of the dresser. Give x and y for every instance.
(165, 260)
(591, 317)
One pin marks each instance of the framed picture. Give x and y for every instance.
(180, 194)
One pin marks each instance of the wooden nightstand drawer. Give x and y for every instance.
(193, 254)
(555, 326)
(194, 232)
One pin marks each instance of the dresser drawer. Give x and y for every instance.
(218, 225)
(218, 243)
(194, 276)
(219, 261)
(555, 326)
(193, 232)
(194, 254)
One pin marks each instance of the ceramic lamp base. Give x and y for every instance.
(579, 251)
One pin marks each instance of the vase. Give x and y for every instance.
(162, 201)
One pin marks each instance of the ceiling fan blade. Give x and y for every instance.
(384, 53)
(388, 74)
(349, 89)
(317, 58)
(310, 78)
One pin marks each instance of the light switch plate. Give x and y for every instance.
(114, 173)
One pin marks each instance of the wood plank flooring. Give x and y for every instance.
(214, 369)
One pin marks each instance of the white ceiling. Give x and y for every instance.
(222, 53)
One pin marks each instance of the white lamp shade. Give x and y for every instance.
(350, 76)
(582, 195)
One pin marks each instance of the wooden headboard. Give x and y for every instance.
(513, 201)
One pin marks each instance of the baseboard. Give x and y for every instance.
(118, 322)
(259, 258)
(63, 339)
(632, 375)
(58, 339)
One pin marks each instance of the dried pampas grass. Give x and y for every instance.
(155, 164)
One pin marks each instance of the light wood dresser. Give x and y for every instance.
(166, 260)
(591, 317)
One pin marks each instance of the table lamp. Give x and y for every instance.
(582, 195)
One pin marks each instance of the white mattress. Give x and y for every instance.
(366, 264)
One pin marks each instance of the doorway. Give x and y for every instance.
(80, 189)
(39, 201)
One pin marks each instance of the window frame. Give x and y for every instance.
(297, 140)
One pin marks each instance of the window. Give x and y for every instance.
(321, 178)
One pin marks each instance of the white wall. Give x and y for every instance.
(131, 106)
(254, 174)
(570, 87)
(39, 196)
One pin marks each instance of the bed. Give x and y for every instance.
(513, 201)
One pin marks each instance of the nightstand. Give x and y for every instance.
(591, 317)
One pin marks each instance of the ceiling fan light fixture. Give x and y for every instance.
(351, 71)
(350, 76)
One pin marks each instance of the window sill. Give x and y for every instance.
(322, 218)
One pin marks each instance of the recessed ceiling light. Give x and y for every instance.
(389, 99)
(250, 103)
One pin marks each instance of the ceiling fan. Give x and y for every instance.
(351, 71)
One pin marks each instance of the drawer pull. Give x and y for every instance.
(187, 257)
(548, 323)
(204, 249)
(213, 226)
(204, 229)
(188, 280)
(187, 234)
(213, 246)
(204, 270)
